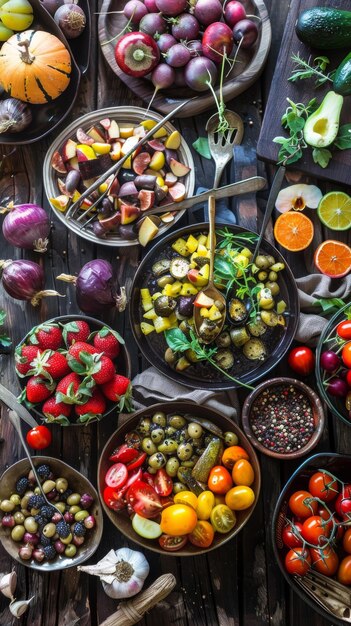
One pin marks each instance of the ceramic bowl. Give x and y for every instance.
(123, 362)
(121, 519)
(79, 484)
(125, 116)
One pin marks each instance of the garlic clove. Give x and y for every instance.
(18, 607)
(8, 584)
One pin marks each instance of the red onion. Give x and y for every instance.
(96, 287)
(27, 226)
(71, 19)
(24, 280)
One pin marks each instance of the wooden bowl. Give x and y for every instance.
(123, 361)
(122, 521)
(79, 484)
(248, 68)
(318, 417)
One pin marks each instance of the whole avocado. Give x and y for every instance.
(324, 28)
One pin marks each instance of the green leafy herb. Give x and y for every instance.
(329, 305)
(293, 121)
(321, 156)
(201, 146)
(229, 238)
(233, 275)
(305, 69)
(179, 342)
(5, 341)
(343, 140)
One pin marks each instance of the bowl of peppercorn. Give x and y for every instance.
(283, 418)
(33, 532)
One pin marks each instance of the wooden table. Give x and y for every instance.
(238, 585)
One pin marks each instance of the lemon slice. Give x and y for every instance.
(334, 210)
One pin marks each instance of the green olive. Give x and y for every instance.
(61, 485)
(277, 267)
(170, 357)
(70, 550)
(262, 275)
(185, 451)
(178, 487)
(191, 462)
(195, 430)
(223, 340)
(7, 506)
(172, 466)
(66, 540)
(17, 532)
(49, 529)
(74, 509)
(19, 517)
(170, 431)
(81, 515)
(157, 460)
(262, 262)
(269, 317)
(168, 446)
(180, 476)
(272, 276)
(231, 439)
(73, 498)
(159, 418)
(157, 434)
(177, 421)
(144, 426)
(37, 491)
(274, 287)
(31, 525)
(152, 470)
(16, 499)
(25, 512)
(148, 446)
(61, 506)
(48, 486)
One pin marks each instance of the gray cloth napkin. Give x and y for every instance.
(151, 387)
(311, 288)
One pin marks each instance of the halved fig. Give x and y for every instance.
(146, 199)
(82, 137)
(129, 213)
(112, 222)
(141, 162)
(156, 145)
(57, 163)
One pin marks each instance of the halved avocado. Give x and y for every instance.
(322, 126)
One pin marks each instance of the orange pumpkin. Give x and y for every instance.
(34, 66)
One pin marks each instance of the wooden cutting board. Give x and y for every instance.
(339, 168)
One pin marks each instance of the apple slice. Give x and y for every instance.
(202, 300)
(129, 213)
(115, 153)
(60, 202)
(167, 218)
(113, 131)
(146, 199)
(115, 187)
(57, 163)
(72, 164)
(170, 179)
(105, 123)
(85, 153)
(129, 145)
(173, 140)
(82, 137)
(69, 150)
(139, 131)
(95, 133)
(101, 148)
(177, 192)
(178, 169)
(147, 231)
(126, 131)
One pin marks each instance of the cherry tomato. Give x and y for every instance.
(243, 473)
(172, 544)
(39, 437)
(205, 504)
(163, 484)
(233, 454)
(326, 516)
(323, 486)
(137, 461)
(348, 378)
(346, 354)
(116, 476)
(148, 478)
(133, 476)
(343, 502)
(223, 519)
(325, 560)
(178, 519)
(166, 501)
(143, 499)
(239, 498)
(202, 535)
(302, 505)
(344, 571)
(298, 561)
(124, 454)
(219, 480)
(290, 537)
(344, 329)
(316, 530)
(302, 360)
(346, 542)
(115, 498)
(186, 497)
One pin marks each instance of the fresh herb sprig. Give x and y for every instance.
(235, 276)
(305, 69)
(229, 238)
(294, 120)
(5, 340)
(179, 342)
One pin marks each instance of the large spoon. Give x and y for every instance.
(205, 330)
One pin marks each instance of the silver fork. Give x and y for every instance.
(328, 593)
(221, 144)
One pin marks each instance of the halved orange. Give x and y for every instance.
(333, 258)
(293, 230)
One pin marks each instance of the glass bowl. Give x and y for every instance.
(326, 342)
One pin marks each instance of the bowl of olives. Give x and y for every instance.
(157, 478)
(33, 532)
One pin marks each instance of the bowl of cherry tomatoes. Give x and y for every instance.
(179, 477)
(311, 531)
(333, 364)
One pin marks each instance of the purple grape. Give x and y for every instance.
(330, 361)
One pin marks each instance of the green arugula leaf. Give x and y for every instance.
(329, 305)
(177, 340)
(343, 140)
(201, 146)
(321, 156)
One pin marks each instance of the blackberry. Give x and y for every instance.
(63, 529)
(50, 552)
(35, 502)
(22, 485)
(40, 520)
(79, 529)
(44, 541)
(47, 511)
(65, 495)
(43, 471)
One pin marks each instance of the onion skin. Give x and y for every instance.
(27, 226)
(96, 287)
(71, 19)
(22, 279)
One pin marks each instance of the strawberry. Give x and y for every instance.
(50, 364)
(46, 336)
(71, 380)
(97, 367)
(93, 408)
(108, 341)
(24, 355)
(75, 331)
(106, 371)
(71, 389)
(80, 346)
(119, 389)
(56, 411)
(37, 390)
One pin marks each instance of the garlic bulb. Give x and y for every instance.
(15, 115)
(122, 572)
(8, 584)
(18, 607)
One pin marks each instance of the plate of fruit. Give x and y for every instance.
(261, 308)
(180, 46)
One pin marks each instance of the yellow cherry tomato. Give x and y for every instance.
(239, 498)
(223, 519)
(178, 519)
(243, 473)
(202, 535)
(205, 504)
(186, 497)
(233, 454)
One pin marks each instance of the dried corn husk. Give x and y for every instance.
(132, 611)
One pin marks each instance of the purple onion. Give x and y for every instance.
(337, 387)
(71, 19)
(31, 538)
(24, 280)
(89, 522)
(27, 226)
(38, 555)
(78, 541)
(59, 546)
(86, 500)
(8, 521)
(330, 361)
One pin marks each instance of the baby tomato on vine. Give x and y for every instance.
(298, 561)
(325, 560)
(290, 535)
(302, 504)
(323, 486)
(219, 480)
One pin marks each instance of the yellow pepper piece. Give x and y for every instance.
(202, 240)
(157, 295)
(214, 314)
(202, 250)
(146, 329)
(188, 290)
(161, 324)
(150, 315)
(205, 271)
(192, 243)
(204, 312)
(181, 247)
(146, 301)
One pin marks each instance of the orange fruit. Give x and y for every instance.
(293, 230)
(333, 258)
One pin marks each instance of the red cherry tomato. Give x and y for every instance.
(289, 536)
(143, 499)
(124, 454)
(348, 378)
(323, 486)
(344, 329)
(298, 561)
(116, 476)
(302, 504)
(344, 571)
(302, 360)
(325, 560)
(137, 462)
(343, 502)
(202, 535)
(327, 517)
(219, 480)
(346, 542)
(114, 498)
(39, 437)
(172, 544)
(133, 476)
(316, 530)
(148, 478)
(163, 483)
(346, 354)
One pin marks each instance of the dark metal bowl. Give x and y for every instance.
(153, 346)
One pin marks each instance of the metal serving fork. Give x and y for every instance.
(328, 593)
(221, 144)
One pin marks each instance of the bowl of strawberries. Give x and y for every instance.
(73, 370)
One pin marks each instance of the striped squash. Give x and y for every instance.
(35, 66)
